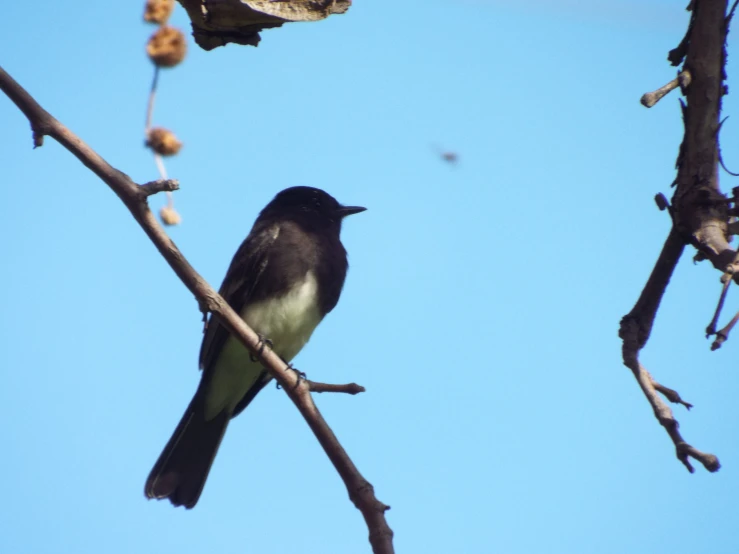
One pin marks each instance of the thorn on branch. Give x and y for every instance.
(160, 185)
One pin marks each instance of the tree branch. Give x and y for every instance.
(723, 334)
(135, 197)
(635, 329)
(160, 185)
(649, 99)
(699, 210)
(219, 22)
(349, 388)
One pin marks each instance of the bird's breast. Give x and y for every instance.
(287, 320)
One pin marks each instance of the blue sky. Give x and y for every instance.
(480, 312)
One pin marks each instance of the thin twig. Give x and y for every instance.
(731, 12)
(711, 329)
(160, 166)
(360, 490)
(349, 388)
(150, 103)
(149, 117)
(663, 413)
(671, 394)
(649, 99)
(160, 185)
(723, 335)
(635, 329)
(163, 174)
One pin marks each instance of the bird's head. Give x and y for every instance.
(310, 205)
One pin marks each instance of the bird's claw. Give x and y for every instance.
(301, 374)
(262, 344)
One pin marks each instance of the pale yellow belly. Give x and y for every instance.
(287, 321)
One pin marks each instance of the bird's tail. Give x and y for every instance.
(182, 468)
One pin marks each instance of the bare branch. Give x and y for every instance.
(649, 99)
(671, 394)
(663, 413)
(700, 211)
(711, 329)
(723, 335)
(349, 388)
(160, 185)
(135, 197)
(635, 329)
(641, 317)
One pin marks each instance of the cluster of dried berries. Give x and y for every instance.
(158, 11)
(166, 48)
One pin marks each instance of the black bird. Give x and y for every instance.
(285, 277)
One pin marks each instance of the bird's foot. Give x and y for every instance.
(301, 374)
(262, 344)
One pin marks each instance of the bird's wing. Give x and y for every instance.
(238, 288)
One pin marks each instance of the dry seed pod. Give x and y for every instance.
(167, 47)
(163, 142)
(158, 11)
(170, 216)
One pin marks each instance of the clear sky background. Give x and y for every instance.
(481, 308)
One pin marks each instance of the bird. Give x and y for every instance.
(285, 277)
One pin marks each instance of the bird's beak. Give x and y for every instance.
(344, 211)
